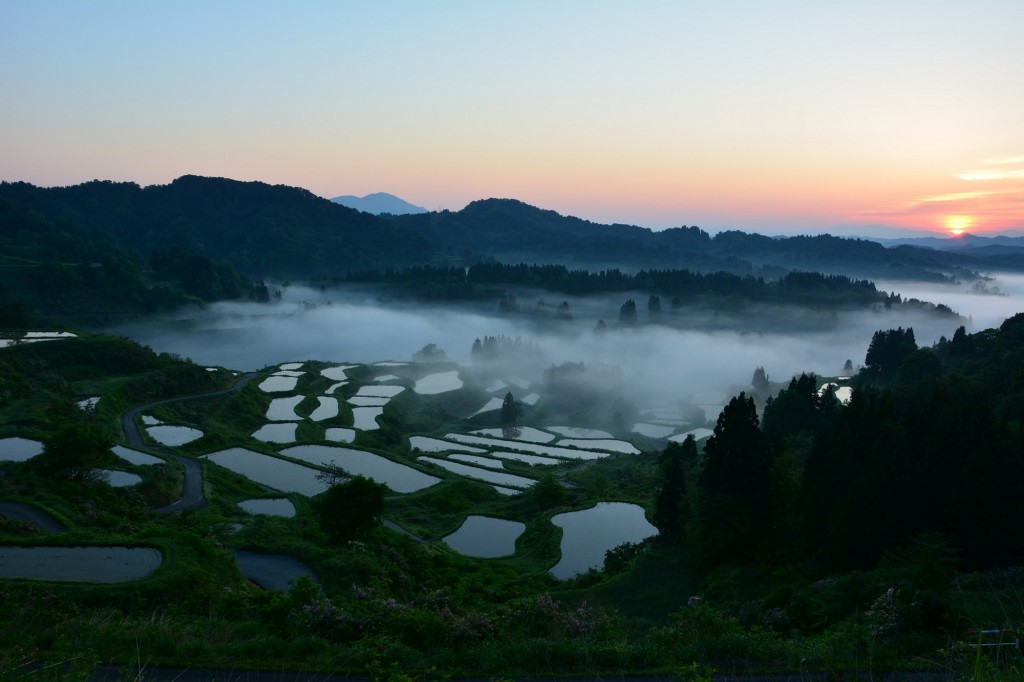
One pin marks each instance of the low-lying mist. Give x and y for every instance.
(659, 364)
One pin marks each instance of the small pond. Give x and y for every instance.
(279, 506)
(283, 409)
(278, 384)
(276, 433)
(168, 434)
(484, 537)
(135, 457)
(79, 564)
(119, 479)
(88, 403)
(398, 477)
(327, 409)
(588, 534)
(442, 382)
(476, 473)
(19, 449)
(288, 477)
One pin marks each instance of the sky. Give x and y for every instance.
(866, 118)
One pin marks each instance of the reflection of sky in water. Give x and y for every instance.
(588, 534)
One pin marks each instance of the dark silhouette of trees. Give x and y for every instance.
(350, 510)
(627, 313)
(735, 504)
(888, 349)
(74, 451)
(671, 506)
(508, 409)
(654, 307)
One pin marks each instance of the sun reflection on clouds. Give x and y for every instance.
(999, 206)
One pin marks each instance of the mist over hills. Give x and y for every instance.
(379, 202)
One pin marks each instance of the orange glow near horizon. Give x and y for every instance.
(958, 224)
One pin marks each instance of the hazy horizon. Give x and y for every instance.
(762, 117)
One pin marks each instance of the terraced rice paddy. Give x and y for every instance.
(485, 475)
(485, 537)
(19, 449)
(398, 477)
(288, 477)
(172, 435)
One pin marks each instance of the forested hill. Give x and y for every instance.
(263, 230)
(267, 231)
(512, 231)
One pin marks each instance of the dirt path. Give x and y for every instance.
(192, 488)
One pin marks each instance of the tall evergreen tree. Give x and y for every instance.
(671, 508)
(735, 506)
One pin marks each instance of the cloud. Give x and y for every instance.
(992, 174)
(963, 196)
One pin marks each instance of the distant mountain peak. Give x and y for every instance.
(379, 202)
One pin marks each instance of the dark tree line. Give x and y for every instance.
(931, 445)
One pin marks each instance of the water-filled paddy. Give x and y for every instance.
(19, 449)
(486, 475)
(577, 432)
(150, 420)
(398, 477)
(169, 434)
(79, 564)
(336, 373)
(365, 418)
(490, 406)
(340, 434)
(287, 373)
(278, 384)
(532, 460)
(653, 430)
(477, 460)
(135, 457)
(380, 391)
(276, 433)
(526, 433)
(288, 477)
(599, 444)
(588, 534)
(279, 506)
(283, 409)
(327, 409)
(368, 401)
(335, 386)
(427, 444)
(531, 399)
(549, 450)
(484, 537)
(88, 403)
(442, 382)
(697, 434)
(291, 365)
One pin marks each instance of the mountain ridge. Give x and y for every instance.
(378, 203)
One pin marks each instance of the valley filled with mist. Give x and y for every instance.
(518, 457)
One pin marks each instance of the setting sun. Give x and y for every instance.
(958, 224)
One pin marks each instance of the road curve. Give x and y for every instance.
(192, 496)
(26, 512)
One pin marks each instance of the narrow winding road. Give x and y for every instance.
(192, 496)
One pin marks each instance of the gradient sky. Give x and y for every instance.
(777, 117)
